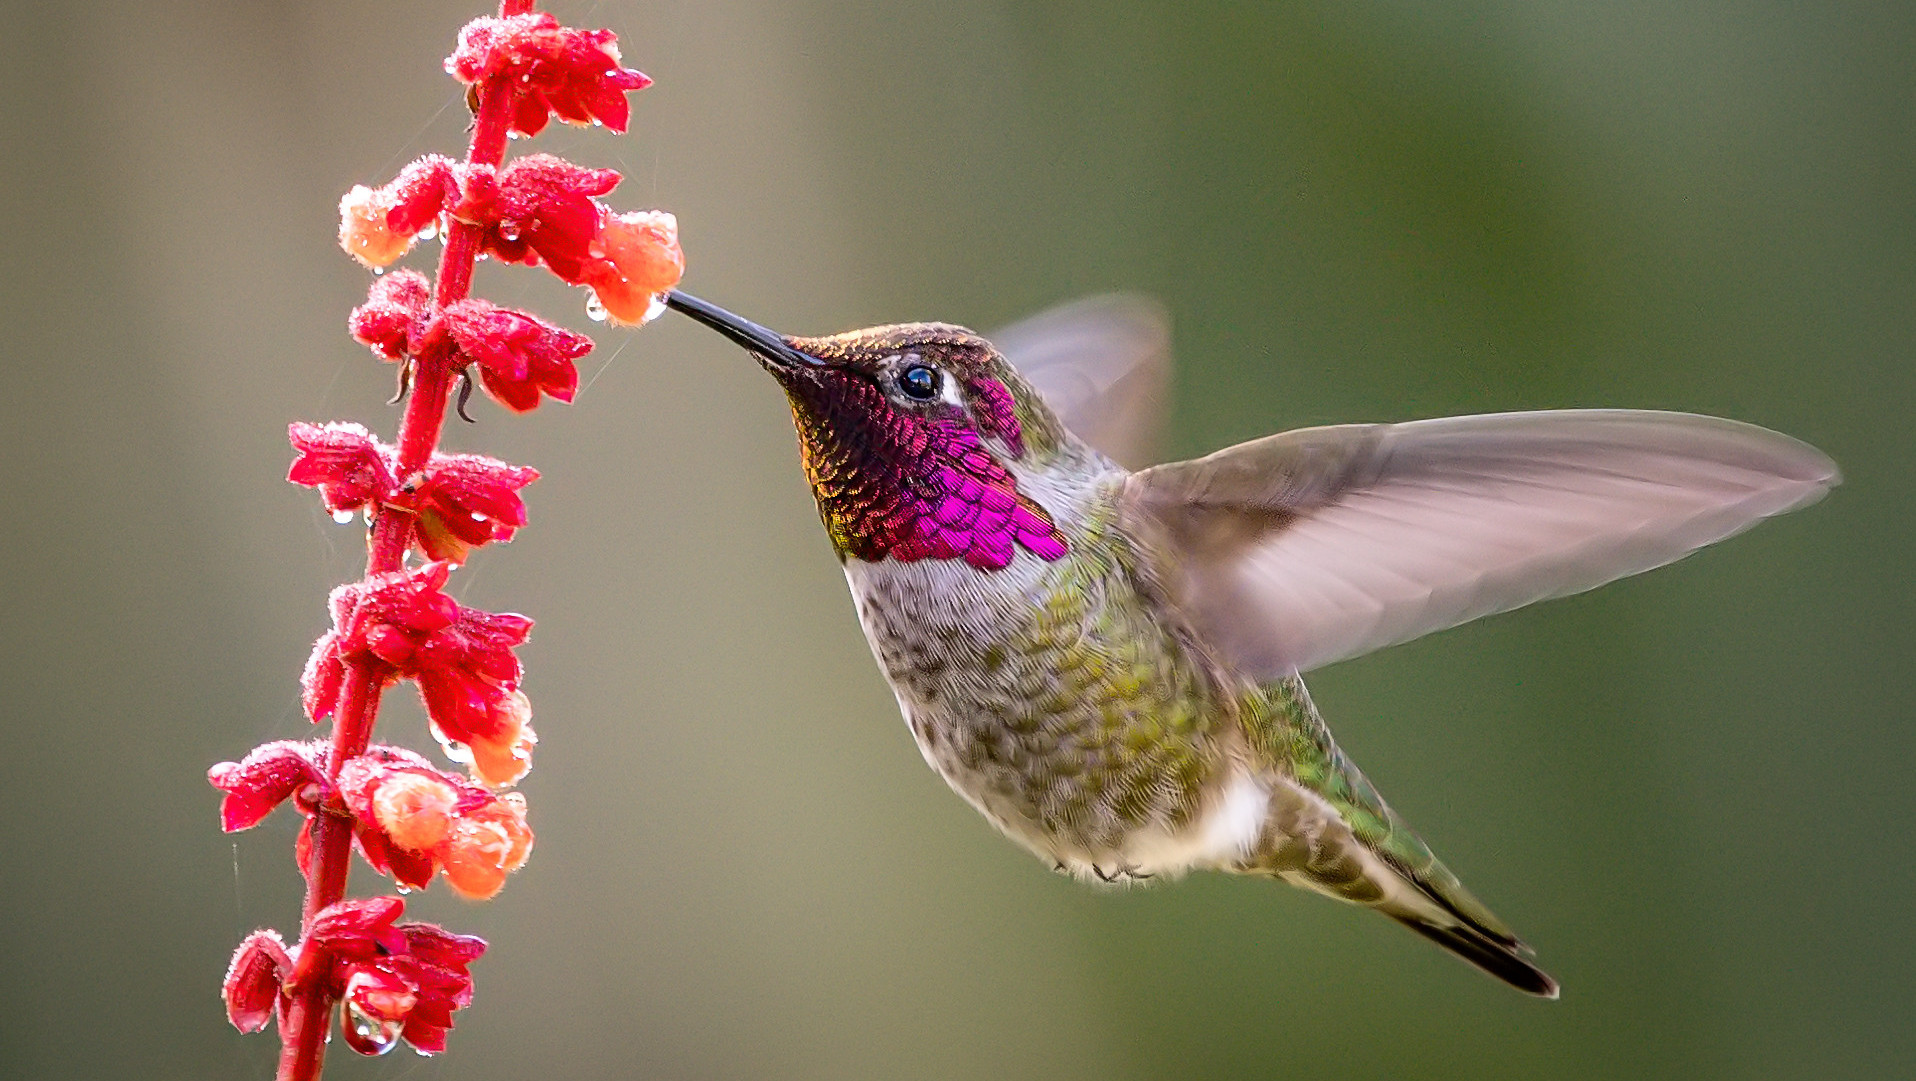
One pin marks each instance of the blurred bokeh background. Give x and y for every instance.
(1690, 790)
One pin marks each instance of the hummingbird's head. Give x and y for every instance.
(913, 436)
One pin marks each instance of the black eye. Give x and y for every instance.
(919, 382)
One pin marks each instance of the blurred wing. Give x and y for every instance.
(1320, 544)
(1103, 365)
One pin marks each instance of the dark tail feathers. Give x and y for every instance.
(1502, 959)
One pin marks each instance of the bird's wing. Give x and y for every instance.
(1320, 544)
(1103, 365)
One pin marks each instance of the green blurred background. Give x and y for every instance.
(1690, 791)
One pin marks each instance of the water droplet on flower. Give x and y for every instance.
(378, 270)
(370, 1035)
(655, 308)
(430, 232)
(515, 135)
(343, 517)
(508, 233)
(594, 307)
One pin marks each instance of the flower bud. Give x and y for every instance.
(415, 810)
(363, 231)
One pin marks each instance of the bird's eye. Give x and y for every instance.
(919, 382)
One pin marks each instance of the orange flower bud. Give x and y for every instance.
(642, 259)
(487, 845)
(363, 231)
(504, 758)
(415, 810)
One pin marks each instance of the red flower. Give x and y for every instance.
(461, 500)
(519, 355)
(344, 461)
(269, 776)
(410, 819)
(461, 658)
(393, 980)
(466, 500)
(537, 208)
(390, 320)
(378, 225)
(420, 191)
(549, 68)
(255, 979)
(413, 820)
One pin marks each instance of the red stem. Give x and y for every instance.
(303, 1034)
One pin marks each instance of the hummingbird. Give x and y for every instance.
(1107, 663)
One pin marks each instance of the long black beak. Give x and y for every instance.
(766, 343)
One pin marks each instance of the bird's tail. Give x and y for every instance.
(1500, 955)
(1329, 831)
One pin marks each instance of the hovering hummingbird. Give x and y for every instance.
(1106, 662)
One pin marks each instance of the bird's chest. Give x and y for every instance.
(1043, 693)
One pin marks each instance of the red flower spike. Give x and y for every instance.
(467, 500)
(550, 69)
(254, 980)
(641, 261)
(519, 356)
(344, 462)
(388, 322)
(264, 779)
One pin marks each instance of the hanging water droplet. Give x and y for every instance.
(655, 308)
(514, 135)
(594, 307)
(343, 517)
(430, 232)
(509, 233)
(370, 1035)
(378, 270)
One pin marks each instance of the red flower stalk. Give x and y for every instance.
(407, 818)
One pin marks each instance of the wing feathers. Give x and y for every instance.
(1103, 364)
(1322, 544)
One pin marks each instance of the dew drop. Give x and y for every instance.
(594, 307)
(654, 308)
(378, 270)
(343, 517)
(430, 232)
(371, 1035)
(514, 135)
(508, 233)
